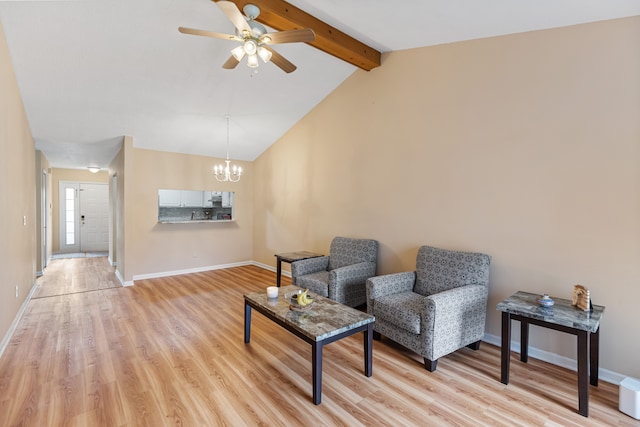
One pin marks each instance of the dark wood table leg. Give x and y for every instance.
(506, 347)
(247, 323)
(316, 357)
(583, 373)
(368, 350)
(594, 360)
(524, 340)
(278, 271)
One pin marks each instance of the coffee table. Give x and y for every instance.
(324, 322)
(562, 316)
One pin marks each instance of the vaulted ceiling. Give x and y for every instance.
(92, 71)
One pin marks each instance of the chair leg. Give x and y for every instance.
(474, 345)
(377, 336)
(430, 365)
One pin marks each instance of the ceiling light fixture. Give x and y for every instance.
(93, 169)
(227, 173)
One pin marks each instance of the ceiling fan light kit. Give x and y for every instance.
(254, 38)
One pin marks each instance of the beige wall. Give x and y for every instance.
(151, 248)
(43, 167)
(525, 147)
(17, 196)
(73, 175)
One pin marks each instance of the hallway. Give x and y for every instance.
(72, 275)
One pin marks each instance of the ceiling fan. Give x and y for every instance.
(254, 37)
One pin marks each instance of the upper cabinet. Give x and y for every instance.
(169, 198)
(181, 198)
(227, 199)
(192, 198)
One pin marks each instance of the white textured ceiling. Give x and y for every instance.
(92, 71)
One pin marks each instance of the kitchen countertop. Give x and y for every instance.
(186, 221)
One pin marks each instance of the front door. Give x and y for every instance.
(94, 217)
(84, 217)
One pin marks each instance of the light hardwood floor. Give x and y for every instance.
(170, 351)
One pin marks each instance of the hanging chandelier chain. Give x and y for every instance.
(227, 173)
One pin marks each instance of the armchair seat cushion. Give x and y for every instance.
(402, 310)
(317, 282)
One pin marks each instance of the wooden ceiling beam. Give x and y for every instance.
(283, 16)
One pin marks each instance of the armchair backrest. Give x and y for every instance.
(439, 270)
(348, 251)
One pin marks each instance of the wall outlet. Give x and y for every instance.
(16, 291)
(24, 220)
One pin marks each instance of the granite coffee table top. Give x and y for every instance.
(324, 319)
(561, 313)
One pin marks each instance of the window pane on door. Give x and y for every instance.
(70, 206)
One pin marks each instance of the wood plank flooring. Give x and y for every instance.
(170, 351)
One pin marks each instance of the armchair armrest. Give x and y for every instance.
(388, 284)
(354, 273)
(308, 266)
(347, 283)
(460, 314)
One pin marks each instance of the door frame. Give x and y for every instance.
(44, 221)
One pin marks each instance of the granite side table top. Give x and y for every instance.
(561, 313)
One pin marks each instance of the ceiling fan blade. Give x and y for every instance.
(231, 63)
(233, 13)
(290, 36)
(195, 32)
(281, 61)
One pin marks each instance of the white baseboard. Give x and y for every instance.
(555, 359)
(7, 337)
(270, 268)
(189, 270)
(121, 279)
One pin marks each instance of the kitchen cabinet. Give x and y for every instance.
(227, 199)
(181, 198)
(169, 198)
(192, 198)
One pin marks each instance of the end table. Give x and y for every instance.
(291, 257)
(564, 317)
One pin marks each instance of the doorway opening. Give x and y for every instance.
(84, 217)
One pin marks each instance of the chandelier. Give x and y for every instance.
(227, 173)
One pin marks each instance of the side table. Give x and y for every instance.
(562, 316)
(291, 257)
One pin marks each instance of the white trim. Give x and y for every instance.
(265, 266)
(270, 268)
(12, 329)
(121, 279)
(555, 359)
(190, 270)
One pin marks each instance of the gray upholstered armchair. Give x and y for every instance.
(340, 276)
(437, 309)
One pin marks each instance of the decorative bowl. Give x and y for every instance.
(293, 305)
(545, 301)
